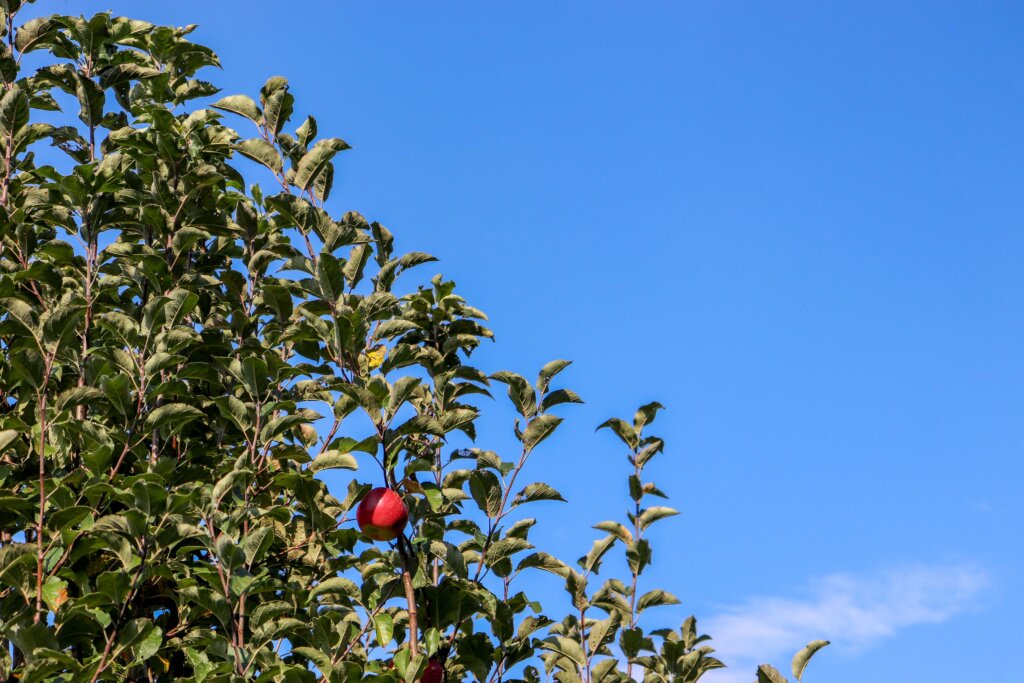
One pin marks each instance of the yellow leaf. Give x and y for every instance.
(375, 356)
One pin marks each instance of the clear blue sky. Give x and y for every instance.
(797, 225)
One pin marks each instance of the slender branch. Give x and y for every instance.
(90, 265)
(406, 553)
(136, 582)
(40, 550)
(362, 631)
(637, 535)
(42, 503)
(225, 582)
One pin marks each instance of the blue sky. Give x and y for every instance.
(797, 225)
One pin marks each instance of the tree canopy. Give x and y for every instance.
(191, 335)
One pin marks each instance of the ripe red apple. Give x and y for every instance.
(434, 672)
(382, 514)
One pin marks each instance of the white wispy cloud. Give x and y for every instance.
(854, 612)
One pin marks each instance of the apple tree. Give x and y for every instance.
(191, 335)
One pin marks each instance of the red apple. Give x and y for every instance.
(382, 514)
(434, 672)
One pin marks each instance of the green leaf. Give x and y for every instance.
(281, 425)
(394, 328)
(616, 529)
(235, 410)
(336, 585)
(802, 657)
(506, 548)
(656, 598)
(181, 302)
(256, 543)
(450, 555)
(13, 111)
(645, 415)
(622, 430)
(419, 424)
(322, 661)
(202, 667)
(591, 562)
(315, 160)
(537, 491)
(140, 637)
(486, 491)
(766, 673)
(262, 152)
(631, 640)
(567, 648)
(7, 437)
(149, 644)
(558, 397)
(548, 372)
(277, 104)
(384, 625)
(307, 131)
(602, 631)
(548, 563)
(241, 105)
(90, 99)
(253, 374)
(530, 625)
(607, 670)
(173, 415)
(35, 33)
(652, 446)
(636, 488)
(638, 555)
(413, 670)
(654, 513)
(523, 396)
(76, 396)
(353, 270)
(333, 460)
(226, 483)
(122, 73)
(401, 391)
(539, 428)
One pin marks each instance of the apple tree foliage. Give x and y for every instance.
(183, 350)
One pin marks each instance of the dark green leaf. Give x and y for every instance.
(537, 491)
(622, 429)
(539, 428)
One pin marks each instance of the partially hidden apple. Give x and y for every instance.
(434, 673)
(382, 514)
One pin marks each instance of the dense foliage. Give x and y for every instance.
(183, 352)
